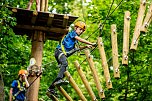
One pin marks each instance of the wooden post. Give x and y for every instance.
(115, 51)
(37, 49)
(136, 34)
(64, 93)
(75, 86)
(147, 20)
(54, 98)
(84, 79)
(42, 7)
(126, 38)
(104, 63)
(95, 74)
(46, 5)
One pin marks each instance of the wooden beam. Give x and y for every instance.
(85, 81)
(33, 20)
(50, 19)
(75, 86)
(41, 28)
(104, 63)
(95, 74)
(147, 19)
(65, 20)
(64, 93)
(115, 51)
(126, 38)
(139, 21)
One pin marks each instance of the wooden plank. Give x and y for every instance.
(85, 81)
(95, 74)
(126, 38)
(139, 21)
(64, 93)
(104, 63)
(147, 19)
(41, 28)
(115, 51)
(75, 86)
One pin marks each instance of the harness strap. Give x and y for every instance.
(62, 46)
(67, 53)
(21, 88)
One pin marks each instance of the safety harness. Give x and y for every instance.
(20, 87)
(69, 52)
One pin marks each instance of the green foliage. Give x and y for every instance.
(135, 82)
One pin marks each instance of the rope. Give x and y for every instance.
(103, 21)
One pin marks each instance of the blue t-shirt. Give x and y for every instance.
(21, 95)
(69, 41)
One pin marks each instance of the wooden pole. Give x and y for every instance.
(95, 74)
(115, 51)
(136, 34)
(147, 19)
(37, 49)
(42, 8)
(64, 93)
(54, 98)
(126, 38)
(75, 86)
(85, 81)
(46, 5)
(104, 63)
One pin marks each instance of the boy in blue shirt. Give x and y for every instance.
(18, 87)
(65, 49)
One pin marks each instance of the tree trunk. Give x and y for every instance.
(1, 88)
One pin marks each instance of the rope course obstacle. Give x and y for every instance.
(39, 25)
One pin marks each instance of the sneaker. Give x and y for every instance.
(61, 82)
(51, 92)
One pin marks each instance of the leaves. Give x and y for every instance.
(135, 82)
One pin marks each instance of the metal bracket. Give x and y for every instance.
(101, 43)
(34, 70)
(125, 57)
(117, 70)
(128, 18)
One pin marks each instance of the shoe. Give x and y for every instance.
(61, 82)
(51, 92)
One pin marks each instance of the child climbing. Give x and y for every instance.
(18, 87)
(64, 50)
(37, 5)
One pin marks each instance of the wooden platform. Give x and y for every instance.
(54, 25)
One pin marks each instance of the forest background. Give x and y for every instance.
(135, 81)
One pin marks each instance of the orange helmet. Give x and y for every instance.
(22, 72)
(81, 25)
